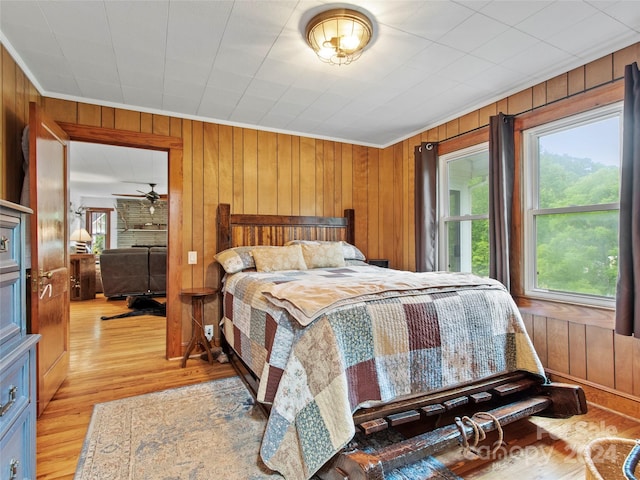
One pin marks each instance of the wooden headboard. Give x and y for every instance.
(237, 230)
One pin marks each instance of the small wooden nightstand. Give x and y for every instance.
(83, 276)
(197, 321)
(379, 262)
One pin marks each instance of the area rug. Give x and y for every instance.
(207, 431)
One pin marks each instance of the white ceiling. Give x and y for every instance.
(247, 63)
(104, 171)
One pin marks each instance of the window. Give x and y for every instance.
(464, 218)
(99, 227)
(572, 182)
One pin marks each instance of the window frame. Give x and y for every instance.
(531, 189)
(444, 216)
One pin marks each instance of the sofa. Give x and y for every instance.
(134, 271)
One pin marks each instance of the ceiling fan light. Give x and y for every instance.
(339, 36)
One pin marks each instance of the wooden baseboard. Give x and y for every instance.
(619, 402)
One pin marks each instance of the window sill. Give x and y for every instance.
(582, 314)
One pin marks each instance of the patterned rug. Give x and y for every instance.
(200, 432)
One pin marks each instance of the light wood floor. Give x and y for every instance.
(110, 359)
(124, 357)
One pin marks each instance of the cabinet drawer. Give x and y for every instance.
(12, 326)
(17, 449)
(10, 240)
(15, 385)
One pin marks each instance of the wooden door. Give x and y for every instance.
(49, 252)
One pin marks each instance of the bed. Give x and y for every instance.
(332, 346)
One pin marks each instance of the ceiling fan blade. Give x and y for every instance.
(128, 195)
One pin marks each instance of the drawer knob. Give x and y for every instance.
(13, 469)
(13, 391)
(4, 244)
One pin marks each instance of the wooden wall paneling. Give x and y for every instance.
(635, 365)
(486, 113)
(598, 72)
(232, 151)
(625, 57)
(558, 345)
(399, 192)
(61, 110)
(575, 81)
(329, 182)
(577, 350)
(127, 120)
(284, 181)
(267, 173)
(108, 117)
(337, 180)
(89, 114)
(250, 171)
(388, 225)
(146, 122)
(319, 177)
(308, 176)
(346, 172)
(187, 210)
(520, 102)
(527, 319)
(600, 356)
(374, 226)
(360, 197)
(557, 87)
(410, 206)
(162, 125)
(211, 180)
(624, 363)
(539, 95)
(197, 195)
(540, 338)
(470, 121)
(175, 125)
(295, 175)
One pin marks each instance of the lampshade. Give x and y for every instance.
(80, 235)
(339, 36)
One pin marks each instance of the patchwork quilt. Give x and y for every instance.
(359, 347)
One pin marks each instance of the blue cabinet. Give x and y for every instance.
(17, 352)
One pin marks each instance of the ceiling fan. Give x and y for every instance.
(152, 195)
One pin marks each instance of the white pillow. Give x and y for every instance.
(273, 259)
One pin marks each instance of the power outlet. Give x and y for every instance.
(208, 332)
(192, 258)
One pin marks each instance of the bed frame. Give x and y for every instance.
(428, 421)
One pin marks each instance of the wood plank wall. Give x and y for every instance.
(264, 172)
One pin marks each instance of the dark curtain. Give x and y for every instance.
(628, 287)
(426, 156)
(501, 173)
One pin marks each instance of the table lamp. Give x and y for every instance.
(81, 237)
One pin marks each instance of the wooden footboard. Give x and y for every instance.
(491, 404)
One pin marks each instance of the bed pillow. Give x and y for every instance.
(236, 259)
(323, 255)
(273, 259)
(349, 252)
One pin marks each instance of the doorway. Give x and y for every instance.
(173, 148)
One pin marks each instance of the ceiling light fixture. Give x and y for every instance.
(339, 36)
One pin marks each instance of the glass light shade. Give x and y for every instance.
(339, 36)
(80, 235)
